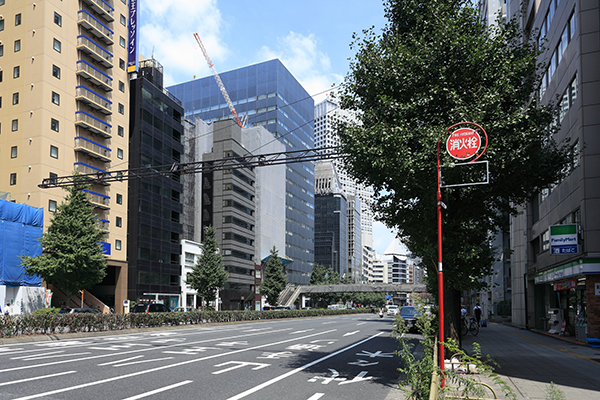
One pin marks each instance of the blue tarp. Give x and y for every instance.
(20, 230)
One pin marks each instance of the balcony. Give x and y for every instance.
(95, 51)
(86, 169)
(102, 8)
(92, 124)
(98, 200)
(97, 28)
(92, 149)
(93, 99)
(94, 75)
(102, 224)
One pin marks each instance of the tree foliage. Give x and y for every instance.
(208, 274)
(433, 65)
(274, 279)
(72, 256)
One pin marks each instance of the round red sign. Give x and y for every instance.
(463, 143)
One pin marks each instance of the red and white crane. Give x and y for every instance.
(219, 81)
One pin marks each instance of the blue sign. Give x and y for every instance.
(132, 43)
(563, 239)
(388, 296)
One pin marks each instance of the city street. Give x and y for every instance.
(340, 357)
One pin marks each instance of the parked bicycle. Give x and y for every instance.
(469, 324)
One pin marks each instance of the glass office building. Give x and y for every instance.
(268, 95)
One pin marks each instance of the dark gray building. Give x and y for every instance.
(155, 204)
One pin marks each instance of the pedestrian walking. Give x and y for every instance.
(477, 312)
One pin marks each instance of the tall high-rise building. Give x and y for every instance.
(64, 98)
(546, 277)
(327, 114)
(155, 203)
(268, 95)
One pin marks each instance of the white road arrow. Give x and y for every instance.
(351, 333)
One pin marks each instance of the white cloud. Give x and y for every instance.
(167, 28)
(301, 55)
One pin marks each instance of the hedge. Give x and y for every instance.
(47, 324)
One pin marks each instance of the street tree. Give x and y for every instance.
(433, 65)
(72, 257)
(274, 279)
(208, 275)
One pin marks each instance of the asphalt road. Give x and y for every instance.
(339, 357)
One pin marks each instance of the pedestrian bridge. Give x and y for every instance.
(291, 293)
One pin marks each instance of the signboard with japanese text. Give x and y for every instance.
(564, 285)
(563, 239)
(132, 43)
(463, 143)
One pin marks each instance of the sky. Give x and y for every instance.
(311, 38)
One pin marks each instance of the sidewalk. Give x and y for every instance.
(529, 361)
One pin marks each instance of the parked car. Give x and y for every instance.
(184, 309)
(148, 308)
(282, 308)
(67, 310)
(392, 310)
(410, 315)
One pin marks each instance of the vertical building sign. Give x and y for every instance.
(563, 239)
(132, 42)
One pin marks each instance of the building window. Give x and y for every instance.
(117, 244)
(17, 45)
(1, 50)
(119, 222)
(18, 19)
(121, 63)
(16, 72)
(52, 205)
(56, 45)
(1, 24)
(13, 152)
(15, 98)
(122, 86)
(120, 131)
(121, 109)
(119, 198)
(15, 125)
(56, 72)
(53, 151)
(54, 124)
(122, 41)
(56, 98)
(13, 178)
(120, 153)
(57, 19)
(123, 20)
(53, 177)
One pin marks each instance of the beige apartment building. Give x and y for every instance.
(64, 96)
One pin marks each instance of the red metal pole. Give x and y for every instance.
(440, 270)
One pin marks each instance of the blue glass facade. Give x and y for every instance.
(267, 94)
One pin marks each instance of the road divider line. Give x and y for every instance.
(143, 361)
(164, 389)
(36, 355)
(118, 361)
(316, 396)
(35, 358)
(35, 378)
(302, 368)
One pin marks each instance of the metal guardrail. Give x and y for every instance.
(102, 55)
(89, 21)
(94, 98)
(99, 77)
(92, 123)
(92, 147)
(103, 8)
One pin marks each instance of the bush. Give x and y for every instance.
(51, 310)
(45, 323)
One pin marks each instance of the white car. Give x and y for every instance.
(392, 310)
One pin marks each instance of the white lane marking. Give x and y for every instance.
(358, 378)
(378, 353)
(280, 377)
(179, 364)
(143, 361)
(304, 331)
(360, 323)
(137, 351)
(316, 396)
(35, 358)
(119, 361)
(36, 378)
(351, 333)
(6, 350)
(239, 364)
(36, 355)
(142, 395)
(330, 322)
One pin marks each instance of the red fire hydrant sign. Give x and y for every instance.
(463, 143)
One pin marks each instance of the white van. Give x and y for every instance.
(392, 310)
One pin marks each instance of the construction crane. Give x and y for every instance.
(219, 81)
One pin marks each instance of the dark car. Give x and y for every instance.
(410, 315)
(148, 308)
(78, 311)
